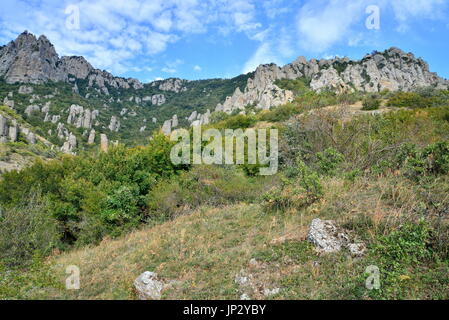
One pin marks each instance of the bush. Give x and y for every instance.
(397, 253)
(371, 103)
(204, 185)
(281, 113)
(328, 161)
(26, 232)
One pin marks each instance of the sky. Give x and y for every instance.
(201, 39)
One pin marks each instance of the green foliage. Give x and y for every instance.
(281, 113)
(94, 194)
(301, 189)
(27, 231)
(27, 283)
(425, 98)
(396, 253)
(371, 103)
(432, 160)
(204, 185)
(237, 122)
(328, 161)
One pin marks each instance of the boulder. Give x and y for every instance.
(329, 238)
(148, 286)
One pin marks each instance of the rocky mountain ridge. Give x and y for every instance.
(391, 70)
(97, 103)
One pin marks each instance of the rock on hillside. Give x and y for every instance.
(391, 70)
(34, 60)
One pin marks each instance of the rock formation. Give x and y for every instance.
(34, 60)
(104, 142)
(80, 117)
(91, 139)
(70, 144)
(328, 238)
(173, 84)
(391, 70)
(158, 99)
(114, 125)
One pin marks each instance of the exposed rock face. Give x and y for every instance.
(32, 60)
(31, 109)
(173, 84)
(9, 103)
(80, 117)
(158, 99)
(166, 128)
(328, 238)
(148, 286)
(104, 143)
(392, 69)
(25, 90)
(114, 125)
(174, 121)
(200, 119)
(260, 91)
(91, 139)
(70, 145)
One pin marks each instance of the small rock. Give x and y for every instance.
(245, 297)
(148, 286)
(272, 292)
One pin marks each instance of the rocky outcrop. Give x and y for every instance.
(149, 286)
(158, 99)
(198, 119)
(104, 142)
(260, 91)
(114, 125)
(91, 139)
(32, 109)
(25, 90)
(169, 125)
(391, 70)
(9, 131)
(329, 238)
(166, 127)
(172, 84)
(80, 117)
(70, 144)
(34, 60)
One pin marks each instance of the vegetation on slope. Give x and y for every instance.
(385, 178)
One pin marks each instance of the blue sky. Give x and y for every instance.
(199, 39)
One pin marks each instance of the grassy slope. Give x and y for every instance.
(207, 249)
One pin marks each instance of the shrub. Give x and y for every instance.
(328, 161)
(371, 103)
(27, 231)
(432, 160)
(280, 113)
(396, 253)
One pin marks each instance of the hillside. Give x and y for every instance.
(362, 182)
(75, 106)
(215, 232)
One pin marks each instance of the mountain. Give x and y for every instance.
(75, 106)
(34, 60)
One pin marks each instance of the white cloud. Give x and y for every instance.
(263, 55)
(323, 24)
(406, 10)
(197, 68)
(108, 28)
